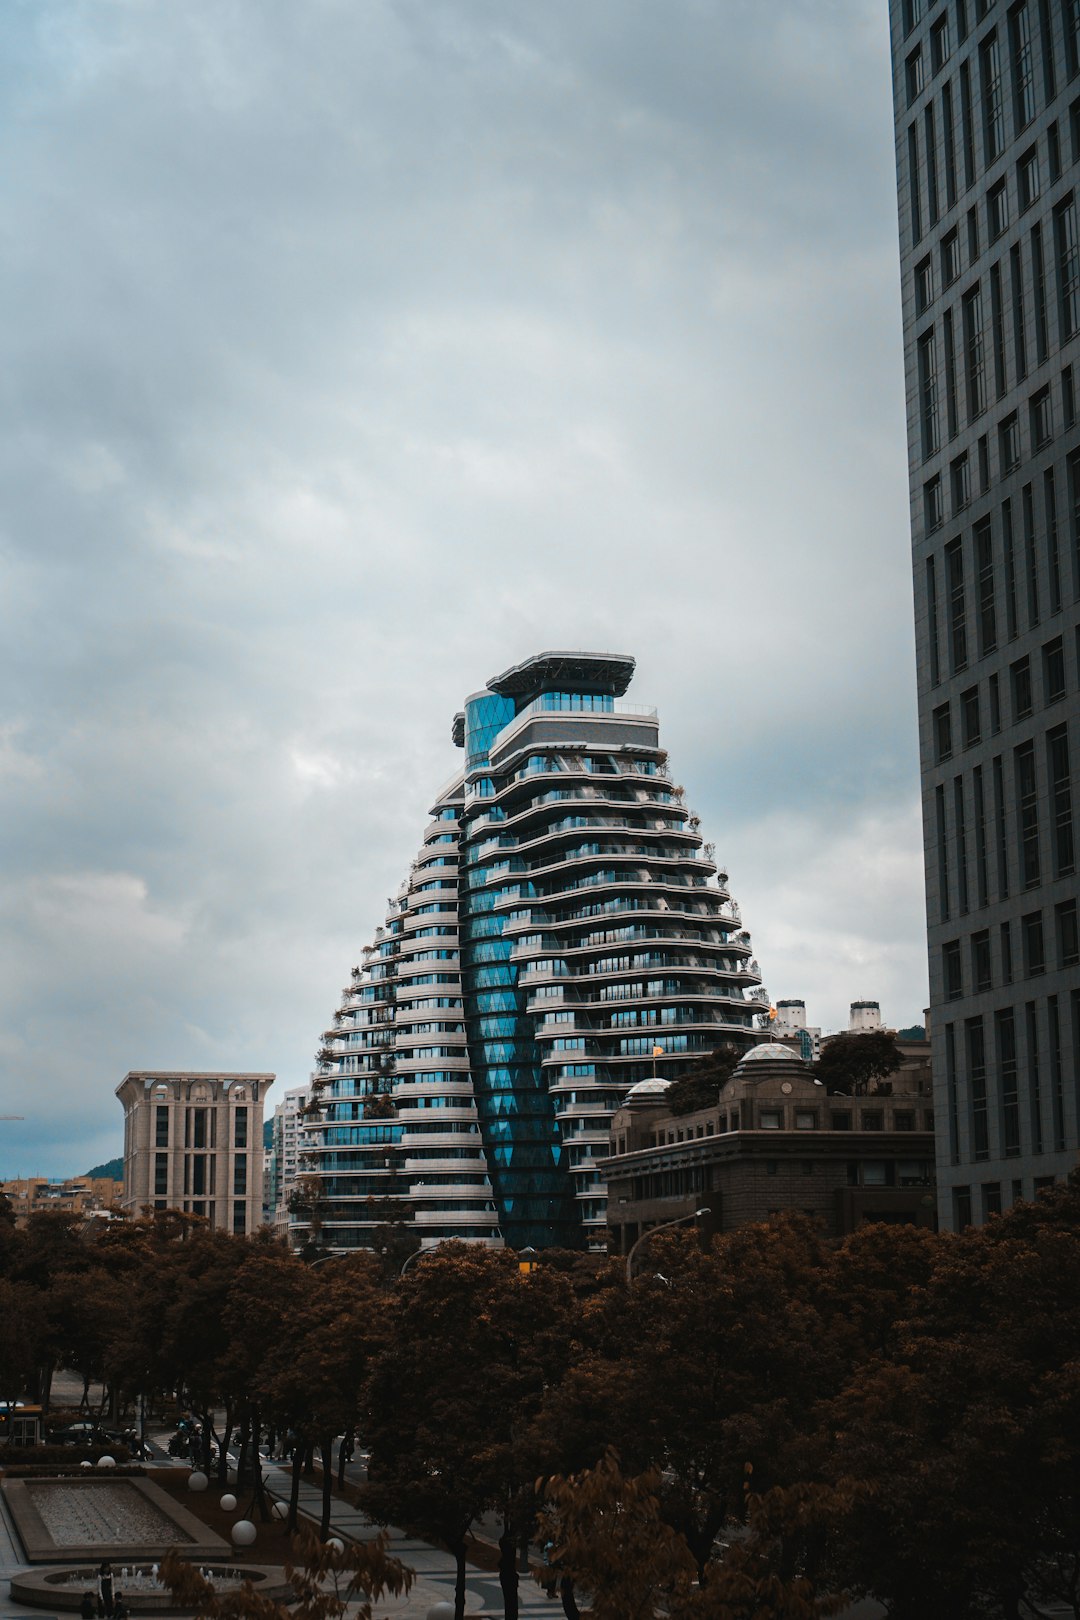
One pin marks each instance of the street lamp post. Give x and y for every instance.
(652, 1233)
(409, 1258)
(338, 1254)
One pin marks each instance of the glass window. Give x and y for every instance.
(997, 210)
(950, 258)
(980, 961)
(914, 75)
(1027, 800)
(957, 603)
(840, 1120)
(992, 99)
(974, 352)
(1053, 660)
(805, 1119)
(1042, 418)
(928, 393)
(1031, 928)
(1068, 266)
(1009, 442)
(1020, 678)
(770, 1120)
(960, 475)
(1027, 178)
(939, 43)
(1023, 65)
(952, 970)
(942, 733)
(1057, 759)
(969, 711)
(1068, 935)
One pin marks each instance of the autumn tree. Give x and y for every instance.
(471, 1344)
(961, 1441)
(326, 1584)
(713, 1362)
(317, 1361)
(858, 1065)
(609, 1538)
(700, 1087)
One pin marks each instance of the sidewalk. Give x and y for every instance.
(433, 1567)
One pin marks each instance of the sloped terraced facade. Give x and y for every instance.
(562, 934)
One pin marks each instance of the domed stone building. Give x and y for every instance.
(775, 1140)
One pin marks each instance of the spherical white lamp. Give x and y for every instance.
(335, 1544)
(106, 1462)
(441, 1611)
(243, 1533)
(228, 1502)
(86, 1463)
(197, 1481)
(281, 1510)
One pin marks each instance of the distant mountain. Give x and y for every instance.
(113, 1168)
(916, 1033)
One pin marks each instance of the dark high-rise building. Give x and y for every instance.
(987, 100)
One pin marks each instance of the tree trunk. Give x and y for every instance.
(569, 1605)
(223, 1447)
(458, 1550)
(294, 1492)
(309, 1460)
(508, 1573)
(241, 1453)
(343, 1454)
(258, 1491)
(326, 1450)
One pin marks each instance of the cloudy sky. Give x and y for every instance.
(356, 349)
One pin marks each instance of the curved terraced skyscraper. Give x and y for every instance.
(562, 934)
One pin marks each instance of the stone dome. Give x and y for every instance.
(770, 1052)
(647, 1091)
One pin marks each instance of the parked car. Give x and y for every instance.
(77, 1434)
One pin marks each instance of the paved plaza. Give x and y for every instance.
(433, 1567)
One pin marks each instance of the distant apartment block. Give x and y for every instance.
(285, 1148)
(78, 1195)
(194, 1142)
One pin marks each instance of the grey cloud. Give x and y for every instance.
(361, 351)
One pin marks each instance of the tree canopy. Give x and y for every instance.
(858, 1065)
(893, 1415)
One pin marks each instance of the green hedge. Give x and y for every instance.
(71, 1456)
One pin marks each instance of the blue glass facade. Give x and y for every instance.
(516, 1113)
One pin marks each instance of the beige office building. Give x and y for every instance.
(194, 1142)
